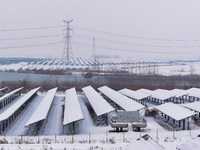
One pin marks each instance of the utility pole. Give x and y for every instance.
(67, 51)
(93, 49)
(94, 55)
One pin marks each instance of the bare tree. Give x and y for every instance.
(192, 69)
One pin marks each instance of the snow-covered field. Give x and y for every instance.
(164, 67)
(52, 135)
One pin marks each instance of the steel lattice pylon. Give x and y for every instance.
(67, 51)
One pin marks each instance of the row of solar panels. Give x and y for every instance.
(78, 62)
(73, 110)
(98, 103)
(101, 106)
(55, 64)
(161, 94)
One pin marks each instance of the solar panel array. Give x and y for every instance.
(73, 111)
(123, 101)
(100, 105)
(42, 110)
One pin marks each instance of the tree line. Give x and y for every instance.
(115, 81)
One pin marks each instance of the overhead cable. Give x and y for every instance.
(127, 36)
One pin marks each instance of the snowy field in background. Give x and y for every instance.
(163, 67)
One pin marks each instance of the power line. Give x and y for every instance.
(68, 46)
(98, 31)
(121, 49)
(89, 45)
(99, 39)
(32, 37)
(128, 36)
(34, 28)
(28, 46)
(134, 44)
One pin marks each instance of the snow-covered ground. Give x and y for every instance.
(180, 69)
(87, 124)
(54, 121)
(164, 67)
(18, 126)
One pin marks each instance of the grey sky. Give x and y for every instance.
(149, 22)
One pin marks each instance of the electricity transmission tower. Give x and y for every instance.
(67, 51)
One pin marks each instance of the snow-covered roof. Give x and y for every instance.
(73, 111)
(179, 92)
(133, 94)
(42, 110)
(175, 111)
(11, 93)
(195, 92)
(194, 106)
(155, 94)
(100, 105)
(12, 109)
(123, 101)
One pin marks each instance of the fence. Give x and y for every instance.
(97, 137)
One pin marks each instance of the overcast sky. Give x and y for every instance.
(129, 28)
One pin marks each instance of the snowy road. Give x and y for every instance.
(87, 124)
(54, 121)
(18, 126)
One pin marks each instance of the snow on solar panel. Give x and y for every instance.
(166, 92)
(7, 95)
(143, 144)
(42, 110)
(175, 111)
(91, 61)
(190, 144)
(179, 92)
(46, 67)
(123, 101)
(134, 94)
(76, 61)
(100, 105)
(12, 109)
(39, 67)
(194, 106)
(194, 92)
(81, 61)
(155, 94)
(86, 61)
(73, 111)
(3, 88)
